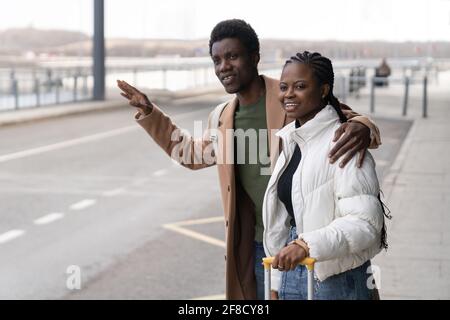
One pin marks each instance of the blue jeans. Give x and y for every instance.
(349, 285)
(258, 249)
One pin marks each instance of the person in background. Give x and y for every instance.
(382, 71)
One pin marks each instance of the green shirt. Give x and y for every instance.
(252, 155)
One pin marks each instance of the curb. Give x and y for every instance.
(390, 179)
(54, 111)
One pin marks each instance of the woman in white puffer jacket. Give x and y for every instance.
(315, 208)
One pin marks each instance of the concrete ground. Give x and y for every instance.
(417, 190)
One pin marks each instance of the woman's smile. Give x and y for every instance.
(291, 106)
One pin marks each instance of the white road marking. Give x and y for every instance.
(160, 173)
(83, 204)
(195, 235)
(10, 235)
(77, 141)
(114, 192)
(67, 143)
(140, 182)
(200, 221)
(48, 218)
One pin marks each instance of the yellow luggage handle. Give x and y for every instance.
(308, 262)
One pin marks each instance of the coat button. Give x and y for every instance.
(226, 223)
(229, 188)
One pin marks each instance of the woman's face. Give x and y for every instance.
(300, 94)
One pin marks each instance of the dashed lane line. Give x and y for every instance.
(49, 218)
(83, 204)
(160, 173)
(114, 192)
(10, 235)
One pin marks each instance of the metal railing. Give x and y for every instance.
(55, 84)
(344, 84)
(406, 82)
(37, 87)
(27, 88)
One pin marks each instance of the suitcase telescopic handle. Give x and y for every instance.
(307, 262)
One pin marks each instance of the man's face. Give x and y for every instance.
(234, 66)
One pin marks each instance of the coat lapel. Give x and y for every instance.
(226, 126)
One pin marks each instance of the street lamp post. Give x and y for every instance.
(99, 51)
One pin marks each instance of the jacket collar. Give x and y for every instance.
(313, 127)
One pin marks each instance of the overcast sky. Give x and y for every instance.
(392, 20)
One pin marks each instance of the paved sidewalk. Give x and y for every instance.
(417, 191)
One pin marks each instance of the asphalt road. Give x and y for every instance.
(93, 196)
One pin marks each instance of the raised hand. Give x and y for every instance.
(136, 98)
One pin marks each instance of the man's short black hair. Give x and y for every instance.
(235, 28)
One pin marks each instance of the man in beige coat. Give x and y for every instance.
(234, 49)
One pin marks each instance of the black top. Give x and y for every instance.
(284, 187)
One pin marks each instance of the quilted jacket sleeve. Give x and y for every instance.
(359, 215)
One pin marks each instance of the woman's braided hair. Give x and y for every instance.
(323, 72)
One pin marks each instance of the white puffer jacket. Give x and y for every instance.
(336, 210)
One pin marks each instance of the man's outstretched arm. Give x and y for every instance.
(177, 143)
